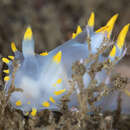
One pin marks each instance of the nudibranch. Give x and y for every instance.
(38, 81)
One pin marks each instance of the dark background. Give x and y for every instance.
(53, 22)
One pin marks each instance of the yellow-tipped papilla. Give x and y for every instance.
(111, 23)
(109, 26)
(113, 51)
(6, 78)
(11, 57)
(6, 71)
(73, 35)
(52, 99)
(44, 53)
(59, 92)
(78, 31)
(57, 82)
(34, 112)
(5, 60)
(46, 104)
(28, 34)
(18, 103)
(122, 36)
(57, 57)
(91, 20)
(13, 47)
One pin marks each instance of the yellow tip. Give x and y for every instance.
(122, 36)
(78, 31)
(34, 112)
(57, 57)
(44, 54)
(91, 20)
(6, 71)
(73, 35)
(109, 26)
(59, 81)
(6, 78)
(28, 34)
(52, 100)
(18, 103)
(13, 47)
(59, 92)
(5, 60)
(11, 57)
(46, 104)
(113, 51)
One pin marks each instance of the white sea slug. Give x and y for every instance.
(40, 80)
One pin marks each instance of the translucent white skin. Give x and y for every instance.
(37, 74)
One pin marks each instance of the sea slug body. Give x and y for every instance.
(40, 80)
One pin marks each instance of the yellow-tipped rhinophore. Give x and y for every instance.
(57, 57)
(6, 78)
(6, 71)
(13, 47)
(91, 20)
(109, 26)
(34, 112)
(28, 34)
(18, 103)
(11, 57)
(122, 36)
(46, 104)
(5, 60)
(44, 54)
(52, 100)
(78, 31)
(113, 51)
(59, 92)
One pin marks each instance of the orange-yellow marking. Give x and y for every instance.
(52, 100)
(57, 57)
(113, 51)
(109, 26)
(78, 31)
(6, 78)
(11, 57)
(18, 103)
(122, 36)
(28, 34)
(59, 92)
(6, 71)
(13, 47)
(91, 20)
(44, 54)
(46, 104)
(5, 60)
(34, 112)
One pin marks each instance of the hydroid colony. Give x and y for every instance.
(38, 81)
